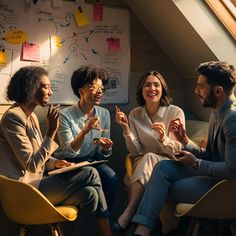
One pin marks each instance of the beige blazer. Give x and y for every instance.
(24, 154)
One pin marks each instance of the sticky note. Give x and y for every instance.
(97, 12)
(30, 52)
(3, 57)
(16, 36)
(113, 44)
(81, 18)
(56, 41)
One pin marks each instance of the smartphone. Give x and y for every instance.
(178, 155)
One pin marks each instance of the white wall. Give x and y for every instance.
(211, 31)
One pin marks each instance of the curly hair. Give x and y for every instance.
(24, 84)
(219, 73)
(165, 97)
(85, 75)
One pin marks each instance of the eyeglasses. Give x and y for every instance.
(95, 88)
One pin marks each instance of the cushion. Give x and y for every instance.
(197, 131)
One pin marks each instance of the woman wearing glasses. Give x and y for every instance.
(84, 130)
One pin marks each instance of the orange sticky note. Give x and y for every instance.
(30, 52)
(3, 57)
(97, 12)
(81, 18)
(113, 44)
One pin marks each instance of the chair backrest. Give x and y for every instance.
(218, 203)
(129, 163)
(24, 204)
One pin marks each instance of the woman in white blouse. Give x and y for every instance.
(146, 133)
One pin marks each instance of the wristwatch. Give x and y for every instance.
(196, 163)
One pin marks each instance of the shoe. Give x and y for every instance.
(117, 227)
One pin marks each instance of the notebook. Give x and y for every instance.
(75, 166)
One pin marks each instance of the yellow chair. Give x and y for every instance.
(129, 165)
(26, 205)
(218, 203)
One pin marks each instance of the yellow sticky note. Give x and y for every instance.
(56, 41)
(3, 57)
(81, 18)
(16, 36)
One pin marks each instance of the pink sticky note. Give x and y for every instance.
(113, 44)
(97, 12)
(30, 52)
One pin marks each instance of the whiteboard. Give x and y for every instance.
(79, 45)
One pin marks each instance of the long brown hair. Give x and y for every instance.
(165, 97)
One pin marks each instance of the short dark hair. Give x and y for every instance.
(165, 97)
(219, 73)
(24, 83)
(85, 75)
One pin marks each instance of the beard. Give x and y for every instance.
(210, 100)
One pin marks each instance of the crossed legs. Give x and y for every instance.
(81, 188)
(169, 180)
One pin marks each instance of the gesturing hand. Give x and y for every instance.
(160, 128)
(177, 129)
(53, 120)
(105, 143)
(93, 123)
(121, 118)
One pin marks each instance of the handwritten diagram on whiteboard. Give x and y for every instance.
(42, 35)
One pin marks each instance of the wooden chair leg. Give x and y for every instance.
(193, 228)
(190, 227)
(196, 228)
(56, 230)
(232, 229)
(23, 231)
(59, 229)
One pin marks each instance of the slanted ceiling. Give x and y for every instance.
(173, 32)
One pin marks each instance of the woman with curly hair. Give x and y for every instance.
(25, 155)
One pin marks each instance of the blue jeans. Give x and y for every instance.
(173, 182)
(81, 188)
(109, 182)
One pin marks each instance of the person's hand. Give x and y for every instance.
(187, 158)
(160, 128)
(53, 120)
(93, 123)
(62, 163)
(105, 143)
(177, 129)
(122, 120)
